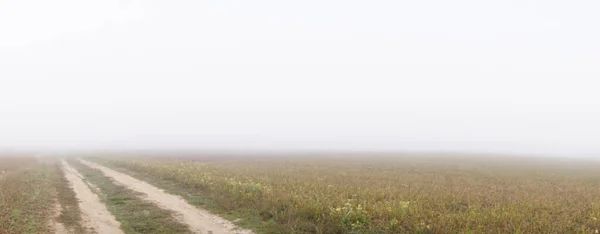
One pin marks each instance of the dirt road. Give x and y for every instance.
(200, 221)
(94, 213)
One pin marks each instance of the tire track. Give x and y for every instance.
(200, 221)
(94, 213)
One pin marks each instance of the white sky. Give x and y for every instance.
(468, 75)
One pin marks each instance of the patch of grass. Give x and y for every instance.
(26, 192)
(424, 194)
(134, 214)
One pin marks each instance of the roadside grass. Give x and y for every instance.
(134, 214)
(26, 192)
(424, 194)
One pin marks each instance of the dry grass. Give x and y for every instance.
(423, 194)
(26, 192)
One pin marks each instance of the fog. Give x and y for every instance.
(459, 76)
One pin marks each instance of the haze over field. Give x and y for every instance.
(475, 76)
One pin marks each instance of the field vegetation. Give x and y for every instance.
(383, 194)
(27, 190)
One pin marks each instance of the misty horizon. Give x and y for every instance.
(324, 76)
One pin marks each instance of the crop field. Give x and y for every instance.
(382, 194)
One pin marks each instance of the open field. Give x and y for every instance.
(309, 194)
(425, 194)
